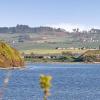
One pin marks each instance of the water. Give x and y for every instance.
(70, 82)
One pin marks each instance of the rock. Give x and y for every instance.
(9, 57)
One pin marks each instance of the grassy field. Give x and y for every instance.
(48, 51)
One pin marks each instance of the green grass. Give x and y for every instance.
(52, 51)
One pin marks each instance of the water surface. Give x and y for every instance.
(70, 82)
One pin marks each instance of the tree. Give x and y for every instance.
(45, 83)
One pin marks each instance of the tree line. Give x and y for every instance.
(27, 29)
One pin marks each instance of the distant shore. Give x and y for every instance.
(28, 62)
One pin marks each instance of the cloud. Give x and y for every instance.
(69, 27)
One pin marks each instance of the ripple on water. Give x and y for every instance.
(70, 82)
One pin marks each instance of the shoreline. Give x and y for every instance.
(62, 62)
(12, 68)
(27, 62)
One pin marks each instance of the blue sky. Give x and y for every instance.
(57, 13)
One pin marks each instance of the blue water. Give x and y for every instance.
(70, 82)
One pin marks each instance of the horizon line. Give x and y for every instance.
(66, 26)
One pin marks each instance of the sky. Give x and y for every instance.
(67, 14)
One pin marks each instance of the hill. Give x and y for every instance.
(24, 37)
(9, 57)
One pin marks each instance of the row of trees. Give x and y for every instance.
(27, 29)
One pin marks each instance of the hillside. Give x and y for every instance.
(24, 37)
(90, 56)
(9, 57)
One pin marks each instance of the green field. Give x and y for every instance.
(48, 51)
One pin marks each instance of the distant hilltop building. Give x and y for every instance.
(95, 30)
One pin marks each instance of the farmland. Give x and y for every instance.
(27, 38)
(31, 41)
(52, 51)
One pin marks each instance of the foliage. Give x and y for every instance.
(27, 29)
(45, 83)
(90, 56)
(9, 56)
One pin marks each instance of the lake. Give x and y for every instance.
(70, 82)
